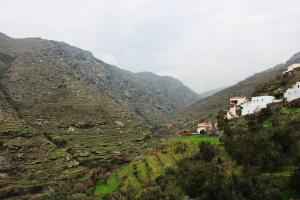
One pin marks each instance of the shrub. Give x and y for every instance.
(295, 180)
(181, 147)
(295, 103)
(278, 93)
(207, 151)
(252, 185)
(255, 149)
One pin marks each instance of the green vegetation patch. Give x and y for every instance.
(289, 110)
(153, 165)
(142, 170)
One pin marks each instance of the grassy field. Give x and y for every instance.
(151, 165)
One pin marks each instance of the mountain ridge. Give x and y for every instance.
(116, 83)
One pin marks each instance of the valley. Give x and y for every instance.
(74, 127)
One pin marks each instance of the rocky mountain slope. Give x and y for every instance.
(52, 84)
(66, 116)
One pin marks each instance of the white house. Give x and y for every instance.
(234, 104)
(256, 104)
(204, 126)
(293, 92)
(291, 68)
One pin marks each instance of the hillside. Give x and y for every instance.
(54, 82)
(66, 116)
(211, 92)
(256, 157)
(209, 107)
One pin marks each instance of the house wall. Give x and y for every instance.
(293, 93)
(200, 129)
(256, 104)
(231, 113)
(248, 108)
(239, 100)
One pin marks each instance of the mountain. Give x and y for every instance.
(58, 84)
(208, 108)
(66, 116)
(211, 92)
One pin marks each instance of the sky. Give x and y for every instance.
(206, 44)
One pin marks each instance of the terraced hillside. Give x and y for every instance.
(67, 117)
(151, 165)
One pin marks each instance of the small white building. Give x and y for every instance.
(291, 68)
(256, 104)
(234, 104)
(204, 126)
(293, 92)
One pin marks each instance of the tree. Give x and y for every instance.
(207, 151)
(181, 147)
(252, 185)
(295, 180)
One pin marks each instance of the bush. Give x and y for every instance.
(181, 147)
(207, 151)
(295, 180)
(295, 103)
(202, 180)
(278, 93)
(255, 149)
(252, 185)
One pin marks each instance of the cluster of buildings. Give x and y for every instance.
(241, 106)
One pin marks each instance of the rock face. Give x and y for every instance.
(52, 83)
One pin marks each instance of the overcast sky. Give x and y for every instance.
(206, 44)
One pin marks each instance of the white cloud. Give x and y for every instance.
(205, 43)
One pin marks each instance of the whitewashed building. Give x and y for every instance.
(256, 104)
(204, 126)
(234, 105)
(291, 68)
(293, 92)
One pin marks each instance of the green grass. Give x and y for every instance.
(58, 153)
(154, 165)
(113, 182)
(143, 173)
(289, 110)
(157, 162)
(167, 160)
(194, 140)
(284, 171)
(267, 123)
(133, 181)
(108, 187)
(281, 178)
